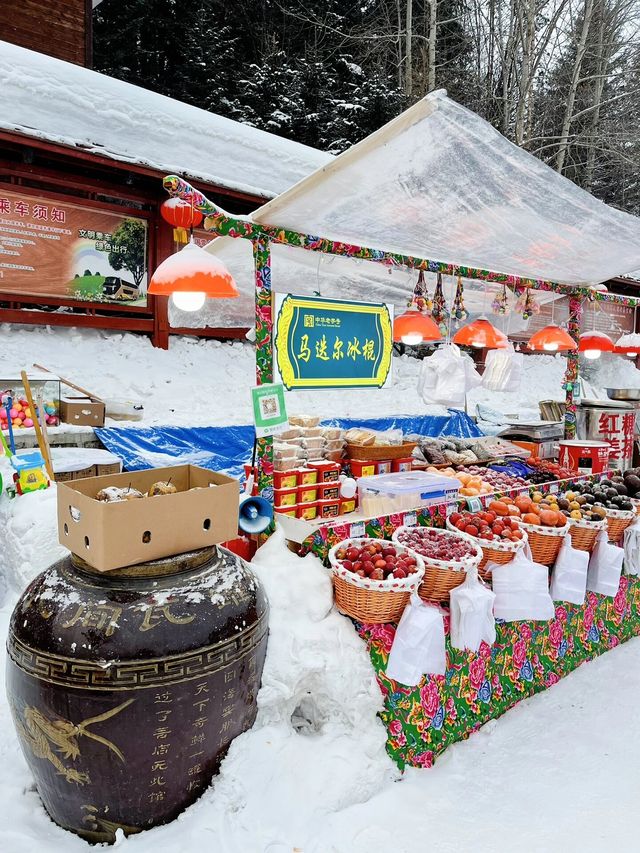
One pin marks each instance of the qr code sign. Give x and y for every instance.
(270, 407)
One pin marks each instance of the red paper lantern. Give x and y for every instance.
(413, 327)
(182, 215)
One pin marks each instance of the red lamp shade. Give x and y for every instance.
(414, 327)
(194, 273)
(592, 344)
(628, 345)
(551, 339)
(180, 213)
(480, 334)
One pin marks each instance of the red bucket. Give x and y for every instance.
(585, 457)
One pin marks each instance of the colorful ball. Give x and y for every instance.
(28, 422)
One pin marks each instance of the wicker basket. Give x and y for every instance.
(380, 451)
(369, 600)
(440, 577)
(636, 504)
(584, 533)
(617, 522)
(496, 551)
(545, 542)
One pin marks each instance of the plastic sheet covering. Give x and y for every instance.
(440, 182)
(295, 270)
(228, 448)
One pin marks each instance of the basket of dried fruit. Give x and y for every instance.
(447, 556)
(373, 578)
(499, 536)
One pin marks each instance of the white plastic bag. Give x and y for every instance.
(522, 589)
(605, 566)
(472, 613)
(418, 646)
(446, 376)
(632, 548)
(503, 369)
(569, 579)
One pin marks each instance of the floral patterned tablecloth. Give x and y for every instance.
(526, 658)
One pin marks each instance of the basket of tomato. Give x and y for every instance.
(498, 534)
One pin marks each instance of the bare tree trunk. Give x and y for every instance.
(408, 53)
(573, 87)
(433, 29)
(527, 22)
(399, 43)
(507, 68)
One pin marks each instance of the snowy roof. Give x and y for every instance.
(59, 102)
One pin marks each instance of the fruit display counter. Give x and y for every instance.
(319, 536)
(526, 658)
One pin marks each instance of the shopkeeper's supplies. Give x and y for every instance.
(446, 376)
(522, 590)
(503, 369)
(388, 493)
(605, 566)
(419, 644)
(569, 579)
(472, 618)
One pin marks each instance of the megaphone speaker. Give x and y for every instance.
(255, 514)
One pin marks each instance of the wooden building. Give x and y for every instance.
(61, 29)
(82, 157)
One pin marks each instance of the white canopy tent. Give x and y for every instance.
(438, 182)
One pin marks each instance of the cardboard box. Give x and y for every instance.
(82, 411)
(125, 533)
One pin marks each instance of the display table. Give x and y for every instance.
(527, 657)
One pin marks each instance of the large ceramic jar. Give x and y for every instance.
(126, 688)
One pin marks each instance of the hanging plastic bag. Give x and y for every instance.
(472, 618)
(569, 579)
(605, 566)
(503, 369)
(521, 588)
(418, 646)
(446, 376)
(632, 548)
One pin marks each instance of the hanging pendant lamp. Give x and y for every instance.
(414, 327)
(593, 344)
(190, 276)
(551, 339)
(629, 344)
(480, 334)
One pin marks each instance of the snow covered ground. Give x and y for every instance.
(559, 772)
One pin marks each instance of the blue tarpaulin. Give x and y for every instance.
(228, 448)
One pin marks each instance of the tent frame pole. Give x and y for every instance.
(223, 224)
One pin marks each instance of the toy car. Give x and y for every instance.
(30, 475)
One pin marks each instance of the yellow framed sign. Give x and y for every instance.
(329, 343)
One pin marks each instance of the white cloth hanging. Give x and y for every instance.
(632, 548)
(503, 369)
(472, 618)
(418, 646)
(569, 579)
(446, 376)
(605, 566)
(522, 589)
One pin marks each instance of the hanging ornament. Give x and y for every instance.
(527, 305)
(500, 304)
(458, 311)
(440, 312)
(421, 300)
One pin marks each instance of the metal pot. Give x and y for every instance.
(627, 394)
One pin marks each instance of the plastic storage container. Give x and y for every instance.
(387, 493)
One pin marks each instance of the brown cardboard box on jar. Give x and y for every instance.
(82, 411)
(203, 512)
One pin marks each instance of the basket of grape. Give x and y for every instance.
(374, 578)
(447, 556)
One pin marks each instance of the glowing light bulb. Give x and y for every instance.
(412, 338)
(592, 353)
(188, 301)
(631, 354)
(550, 347)
(477, 344)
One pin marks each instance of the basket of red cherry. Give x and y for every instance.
(446, 555)
(499, 536)
(373, 578)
